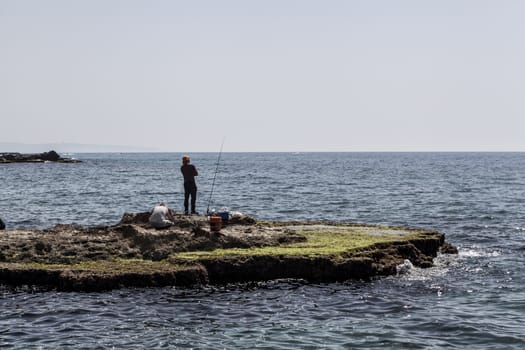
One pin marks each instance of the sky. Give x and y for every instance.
(265, 76)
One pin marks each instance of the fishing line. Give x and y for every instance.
(215, 176)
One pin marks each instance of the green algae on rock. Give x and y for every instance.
(329, 254)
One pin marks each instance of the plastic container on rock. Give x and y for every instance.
(215, 223)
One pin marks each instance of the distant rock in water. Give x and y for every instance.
(50, 156)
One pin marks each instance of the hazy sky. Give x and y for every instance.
(366, 75)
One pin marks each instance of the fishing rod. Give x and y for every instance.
(215, 176)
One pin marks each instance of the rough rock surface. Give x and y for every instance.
(132, 253)
(133, 238)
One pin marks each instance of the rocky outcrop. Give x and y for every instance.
(133, 254)
(50, 156)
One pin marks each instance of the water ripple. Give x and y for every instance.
(473, 300)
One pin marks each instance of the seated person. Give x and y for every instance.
(161, 216)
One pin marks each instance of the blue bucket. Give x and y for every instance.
(225, 215)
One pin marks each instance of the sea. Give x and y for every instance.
(472, 300)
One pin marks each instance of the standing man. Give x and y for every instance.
(190, 188)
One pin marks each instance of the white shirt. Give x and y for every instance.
(159, 215)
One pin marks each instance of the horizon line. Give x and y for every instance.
(99, 148)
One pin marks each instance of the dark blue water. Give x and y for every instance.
(473, 300)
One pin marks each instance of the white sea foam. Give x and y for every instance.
(405, 267)
(442, 265)
(475, 253)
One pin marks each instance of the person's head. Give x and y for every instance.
(185, 159)
(163, 204)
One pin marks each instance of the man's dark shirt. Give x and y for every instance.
(189, 172)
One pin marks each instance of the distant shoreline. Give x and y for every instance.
(11, 147)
